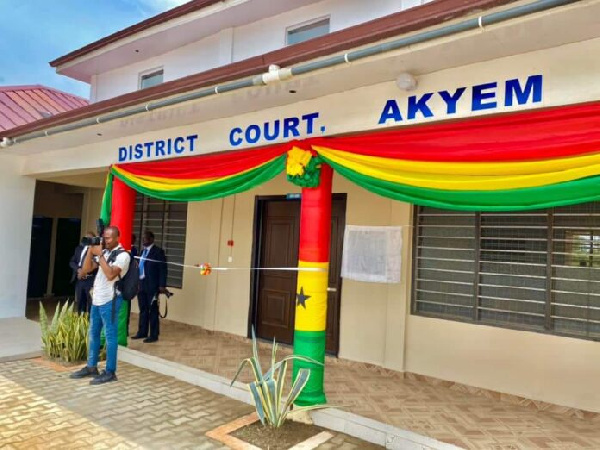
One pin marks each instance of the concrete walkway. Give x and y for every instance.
(42, 408)
(19, 338)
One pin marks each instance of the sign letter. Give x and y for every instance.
(414, 106)
(533, 88)
(479, 96)
(391, 110)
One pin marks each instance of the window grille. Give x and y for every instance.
(168, 221)
(534, 270)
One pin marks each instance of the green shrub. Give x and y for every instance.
(66, 337)
(267, 389)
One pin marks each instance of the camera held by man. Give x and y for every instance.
(96, 240)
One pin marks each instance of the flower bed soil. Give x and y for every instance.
(282, 438)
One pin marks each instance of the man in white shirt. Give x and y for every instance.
(112, 263)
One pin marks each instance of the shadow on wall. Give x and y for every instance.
(32, 309)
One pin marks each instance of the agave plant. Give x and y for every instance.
(66, 337)
(267, 389)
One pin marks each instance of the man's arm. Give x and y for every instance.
(88, 263)
(74, 262)
(111, 272)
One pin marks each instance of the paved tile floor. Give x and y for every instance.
(445, 412)
(41, 408)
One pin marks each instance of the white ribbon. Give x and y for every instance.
(224, 269)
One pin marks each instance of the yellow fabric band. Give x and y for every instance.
(468, 176)
(313, 315)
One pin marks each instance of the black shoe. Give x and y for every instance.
(138, 336)
(85, 372)
(150, 340)
(104, 377)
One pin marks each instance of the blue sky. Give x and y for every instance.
(35, 32)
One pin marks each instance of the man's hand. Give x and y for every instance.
(96, 250)
(80, 274)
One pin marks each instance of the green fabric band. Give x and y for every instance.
(311, 344)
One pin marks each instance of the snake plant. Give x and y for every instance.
(66, 337)
(267, 390)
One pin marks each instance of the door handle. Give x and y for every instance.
(331, 289)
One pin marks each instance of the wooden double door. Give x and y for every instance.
(276, 243)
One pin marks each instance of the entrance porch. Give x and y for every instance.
(449, 412)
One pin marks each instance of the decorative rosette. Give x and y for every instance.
(205, 269)
(303, 168)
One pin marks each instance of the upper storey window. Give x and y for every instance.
(151, 78)
(307, 30)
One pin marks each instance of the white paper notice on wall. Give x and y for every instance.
(372, 254)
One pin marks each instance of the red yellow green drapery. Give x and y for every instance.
(518, 161)
(197, 178)
(529, 160)
(310, 322)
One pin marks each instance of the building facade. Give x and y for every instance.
(506, 301)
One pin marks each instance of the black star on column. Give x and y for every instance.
(302, 298)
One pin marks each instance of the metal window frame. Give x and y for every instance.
(307, 23)
(549, 280)
(149, 73)
(164, 216)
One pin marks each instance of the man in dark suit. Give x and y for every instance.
(153, 280)
(83, 282)
(134, 254)
(134, 250)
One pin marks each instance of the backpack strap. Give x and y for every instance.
(112, 258)
(113, 255)
(166, 299)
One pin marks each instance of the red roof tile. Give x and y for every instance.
(20, 105)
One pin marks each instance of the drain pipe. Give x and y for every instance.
(277, 74)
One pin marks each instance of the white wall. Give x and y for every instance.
(372, 315)
(269, 34)
(554, 369)
(242, 42)
(193, 58)
(16, 204)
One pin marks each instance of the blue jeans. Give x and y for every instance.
(99, 317)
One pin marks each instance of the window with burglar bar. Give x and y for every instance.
(535, 270)
(168, 221)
